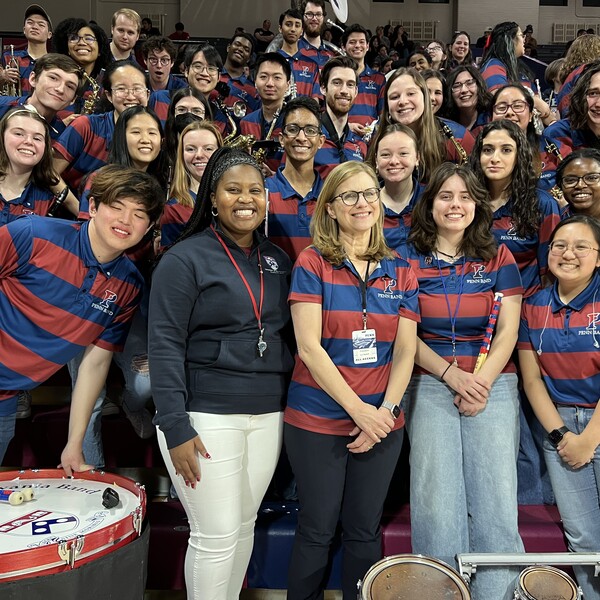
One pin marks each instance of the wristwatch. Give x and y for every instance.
(556, 435)
(393, 408)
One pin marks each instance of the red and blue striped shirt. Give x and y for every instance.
(56, 299)
(391, 294)
(306, 74)
(289, 214)
(478, 281)
(563, 337)
(369, 102)
(32, 201)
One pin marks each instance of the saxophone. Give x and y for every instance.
(448, 133)
(556, 192)
(233, 140)
(261, 154)
(12, 89)
(90, 102)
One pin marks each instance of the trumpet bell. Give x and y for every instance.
(340, 8)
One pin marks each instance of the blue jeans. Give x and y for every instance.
(463, 478)
(137, 390)
(93, 451)
(8, 415)
(577, 493)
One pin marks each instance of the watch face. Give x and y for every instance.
(396, 411)
(555, 437)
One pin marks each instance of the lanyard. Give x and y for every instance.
(261, 344)
(450, 315)
(363, 293)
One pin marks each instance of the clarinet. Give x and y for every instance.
(448, 133)
(59, 200)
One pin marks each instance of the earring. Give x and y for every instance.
(213, 211)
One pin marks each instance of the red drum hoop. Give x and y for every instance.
(539, 582)
(409, 576)
(65, 525)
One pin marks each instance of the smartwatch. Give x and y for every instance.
(393, 408)
(556, 435)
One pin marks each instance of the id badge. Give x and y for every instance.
(364, 346)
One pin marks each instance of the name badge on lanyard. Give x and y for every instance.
(364, 341)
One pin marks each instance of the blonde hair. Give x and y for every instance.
(325, 230)
(583, 50)
(182, 180)
(130, 14)
(431, 142)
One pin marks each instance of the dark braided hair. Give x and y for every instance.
(522, 189)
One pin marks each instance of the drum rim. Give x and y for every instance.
(393, 559)
(43, 560)
(548, 568)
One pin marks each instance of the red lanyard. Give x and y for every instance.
(261, 344)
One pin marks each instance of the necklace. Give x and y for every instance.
(450, 256)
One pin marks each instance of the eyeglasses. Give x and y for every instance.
(312, 15)
(183, 110)
(200, 68)
(469, 83)
(518, 106)
(371, 195)
(163, 62)
(293, 130)
(570, 181)
(73, 38)
(580, 249)
(434, 48)
(123, 92)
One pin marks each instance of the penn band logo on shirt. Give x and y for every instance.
(388, 291)
(105, 305)
(272, 265)
(304, 73)
(370, 85)
(357, 153)
(593, 324)
(511, 234)
(479, 275)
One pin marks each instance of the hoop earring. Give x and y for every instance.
(213, 211)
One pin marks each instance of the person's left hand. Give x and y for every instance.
(469, 407)
(576, 450)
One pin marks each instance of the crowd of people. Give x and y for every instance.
(318, 253)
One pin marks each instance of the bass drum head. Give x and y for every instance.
(412, 576)
(540, 583)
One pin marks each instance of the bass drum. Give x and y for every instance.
(539, 583)
(411, 576)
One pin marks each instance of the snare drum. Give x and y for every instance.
(539, 583)
(65, 525)
(410, 576)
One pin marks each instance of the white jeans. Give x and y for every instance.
(222, 509)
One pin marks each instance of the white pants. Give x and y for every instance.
(222, 509)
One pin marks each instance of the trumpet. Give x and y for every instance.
(12, 89)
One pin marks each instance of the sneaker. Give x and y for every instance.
(141, 421)
(23, 405)
(110, 408)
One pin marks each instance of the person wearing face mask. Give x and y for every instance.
(220, 366)
(559, 341)
(295, 187)
(197, 143)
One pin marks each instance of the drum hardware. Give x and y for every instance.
(110, 498)
(70, 550)
(468, 563)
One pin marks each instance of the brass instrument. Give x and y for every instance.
(261, 153)
(90, 102)
(12, 89)
(292, 90)
(370, 130)
(233, 140)
(464, 158)
(556, 192)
